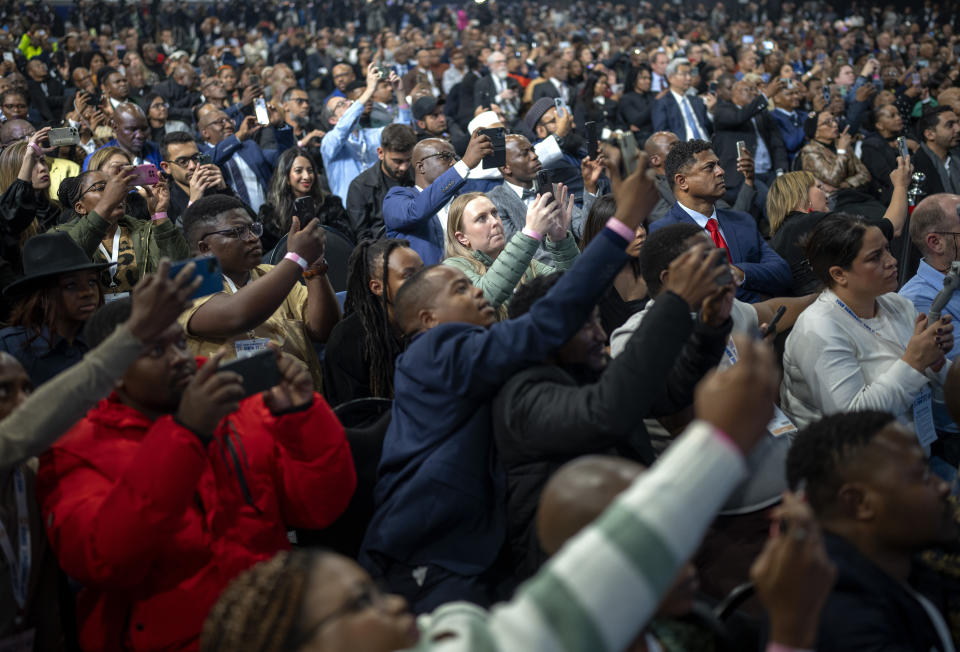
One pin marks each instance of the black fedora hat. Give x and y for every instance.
(47, 255)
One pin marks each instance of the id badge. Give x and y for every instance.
(22, 642)
(247, 348)
(923, 417)
(781, 424)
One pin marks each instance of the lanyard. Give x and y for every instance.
(230, 284)
(19, 570)
(112, 258)
(897, 346)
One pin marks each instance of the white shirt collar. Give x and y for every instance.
(515, 188)
(700, 218)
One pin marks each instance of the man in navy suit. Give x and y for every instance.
(246, 167)
(419, 214)
(697, 178)
(683, 114)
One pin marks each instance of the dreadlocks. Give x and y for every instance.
(260, 610)
(381, 341)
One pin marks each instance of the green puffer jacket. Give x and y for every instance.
(151, 240)
(514, 265)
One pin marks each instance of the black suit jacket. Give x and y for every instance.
(485, 91)
(49, 103)
(731, 123)
(881, 160)
(932, 183)
(546, 89)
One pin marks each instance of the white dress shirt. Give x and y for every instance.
(689, 131)
(702, 219)
(519, 190)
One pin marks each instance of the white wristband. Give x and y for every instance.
(841, 152)
(297, 259)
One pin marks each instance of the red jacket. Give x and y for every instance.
(154, 525)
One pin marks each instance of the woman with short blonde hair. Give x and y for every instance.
(790, 193)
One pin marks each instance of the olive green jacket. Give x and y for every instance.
(151, 240)
(514, 265)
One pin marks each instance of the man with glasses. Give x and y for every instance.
(348, 149)
(247, 168)
(683, 114)
(419, 214)
(191, 179)
(296, 109)
(498, 88)
(130, 125)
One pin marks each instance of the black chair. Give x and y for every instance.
(337, 253)
(366, 421)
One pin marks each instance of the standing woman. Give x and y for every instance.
(635, 110)
(860, 345)
(60, 289)
(593, 105)
(106, 233)
(297, 176)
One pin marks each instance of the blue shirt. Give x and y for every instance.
(348, 151)
(922, 289)
(41, 359)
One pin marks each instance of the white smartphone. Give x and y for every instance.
(260, 108)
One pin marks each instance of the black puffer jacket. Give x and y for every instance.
(548, 415)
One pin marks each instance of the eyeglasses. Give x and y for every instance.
(184, 161)
(219, 121)
(445, 156)
(300, 100)
(239, 232)
(97, 187)
(371, 596)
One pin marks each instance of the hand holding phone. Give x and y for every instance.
(145, 175)
(258, 371)
(498, 158)
(207, 269)
(902, 146)
(260, 109)
(771, 328)
(544, 184)
(593, 139)
(305, 210)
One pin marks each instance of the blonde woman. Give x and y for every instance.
(476, 243)
(796, 203)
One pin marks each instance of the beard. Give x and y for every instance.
(502, 74)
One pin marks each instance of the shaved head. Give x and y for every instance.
(416, 294)
(14, 130)
(578, 493)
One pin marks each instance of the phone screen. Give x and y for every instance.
(498, 158)
(260, 108)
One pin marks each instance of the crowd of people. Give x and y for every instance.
(496, 325)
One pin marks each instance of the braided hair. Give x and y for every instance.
(260, 610)
(382, 342)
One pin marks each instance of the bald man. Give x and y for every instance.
(657, 147)
(577, 494)
(130, 125)
(419, 214)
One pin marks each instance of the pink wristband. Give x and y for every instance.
(530, 233)
(36, 148)
(297, 259)
(161, 215)
(621, 229)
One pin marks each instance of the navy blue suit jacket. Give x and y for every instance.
(261, 161)
(767, 274)
(441, 494)
(667, 116)
(409, 213)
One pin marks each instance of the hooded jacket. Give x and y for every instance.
(154, 524)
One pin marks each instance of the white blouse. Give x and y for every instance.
(835, 361)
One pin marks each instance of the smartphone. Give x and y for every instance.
(146, 175)
(902, 146)
(260, 108)
(915, 79)
(768, 46)
(498, 159)
(923, 63)
(712, 88)
(253, 80)
(208, 268)
(63, 136)
(593, 139)
(259, 371)
(8, 56)
(747, 40)
(558, 103)
(305, 210)
(741, 145)
(772, 326)
(203, 159)
(544, 184)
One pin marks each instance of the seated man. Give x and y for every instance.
(879, 505)
(247, 167)
(347, 148)
(685, 115)
(575, 403)
(517, 192)
(176, 483)
(131, 129)
(440, 517)
(368, 190)
(659, 145)
(258, 303)
(419, 214)
(697, 179)
(939, 131)
(191, 181)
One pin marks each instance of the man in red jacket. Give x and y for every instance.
(175, 484)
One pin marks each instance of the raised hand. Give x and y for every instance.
(210, 396)
(692, 275)
(157, 300)
(296, 388)
(309, 243)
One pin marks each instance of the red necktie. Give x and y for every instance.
(714, 228)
